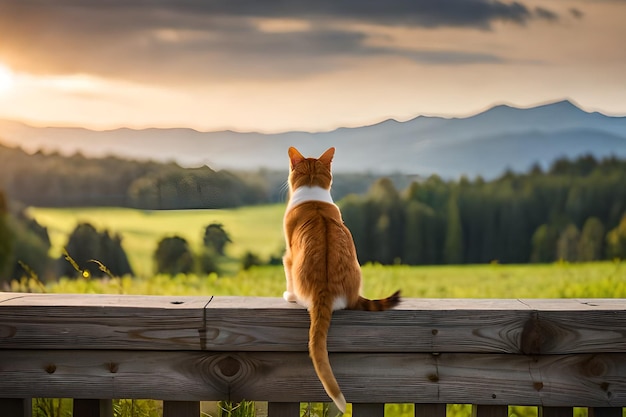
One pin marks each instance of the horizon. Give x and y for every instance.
(224, 65)
(448, 117)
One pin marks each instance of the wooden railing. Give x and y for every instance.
(555, 354)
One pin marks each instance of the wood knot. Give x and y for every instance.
(229, 366)
(433, 377)
(538, 386)
(594, 367)
(51, 368)
(532, 336)
(113, 367)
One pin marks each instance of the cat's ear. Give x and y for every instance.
(327, 157)
(295, 157)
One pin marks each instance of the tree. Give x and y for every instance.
(216, 238)
(567, 245)
(453, 245)
(616, 241)
(173, 256)
(6, 238)
(85, 245)
(544, 244)
(591, 243)
(420, 239)
(249, 260)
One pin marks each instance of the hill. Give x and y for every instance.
(485, 144)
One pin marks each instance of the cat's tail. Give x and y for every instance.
(321, 312)
(378, 305)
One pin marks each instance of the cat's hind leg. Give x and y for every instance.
(288, 295)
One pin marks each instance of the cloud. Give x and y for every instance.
(577, 13)
(189, 40)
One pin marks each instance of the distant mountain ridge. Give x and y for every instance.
(486, 144)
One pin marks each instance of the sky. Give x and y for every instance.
(274, 66)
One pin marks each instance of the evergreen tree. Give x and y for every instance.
(544, 244)
(567, 245)
(216, 238)
(591, 243)
(453, 245)
(86, 245)
(420, 241)
(173, 256)
(616, 241)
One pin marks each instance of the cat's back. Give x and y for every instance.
(317, 225)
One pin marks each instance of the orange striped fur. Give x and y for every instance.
(322, 270)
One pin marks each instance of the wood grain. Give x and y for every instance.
(489, 379)
(551, 353)
(53, 321)
(79, 321)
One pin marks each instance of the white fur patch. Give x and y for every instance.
(304, 194)
(340, 303)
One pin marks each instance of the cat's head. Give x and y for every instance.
(310, 172)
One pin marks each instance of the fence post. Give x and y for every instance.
(93, 408)
(368, 409)
(181, 408)
(283, 409)
(430, 410)
(16, 407)
(556, 411)
(490, 410)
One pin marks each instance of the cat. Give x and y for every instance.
(321, 266)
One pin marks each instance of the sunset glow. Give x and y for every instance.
(6, 78)
(311, 66)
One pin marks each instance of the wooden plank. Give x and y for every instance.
(181, 408)
(94, 321)
(605, 412)
(490, 411)
(16, 407)
(490, 379)
(77, 321)
(430, 410)
(556, 411)
(275, 409)
(418, 325)
(92, 408)
(368, 409)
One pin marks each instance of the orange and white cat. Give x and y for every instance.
(322, 270)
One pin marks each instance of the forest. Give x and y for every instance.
(574, 211)
(55, 180)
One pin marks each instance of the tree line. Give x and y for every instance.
(574, 211)
(55, 180)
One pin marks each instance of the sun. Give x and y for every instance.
(7, 78)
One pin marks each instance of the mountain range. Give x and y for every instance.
(486, 144)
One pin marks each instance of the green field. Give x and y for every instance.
(257, 229)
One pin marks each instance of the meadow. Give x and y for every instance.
(257, 229)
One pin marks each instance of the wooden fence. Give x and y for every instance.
(555, 354)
